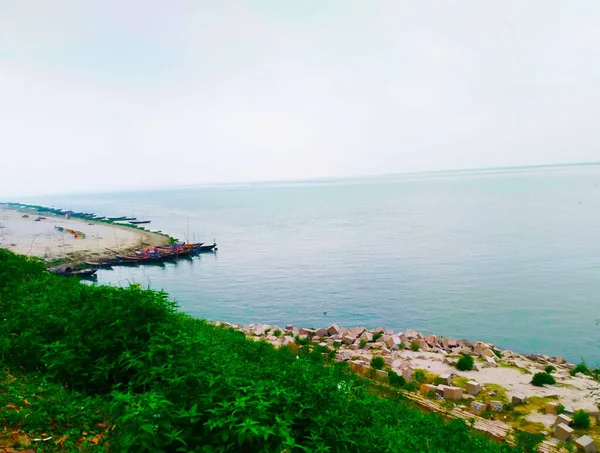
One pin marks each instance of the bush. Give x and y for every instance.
(401, 346)
(549, 369)
(560, 409)
(160, 380)
(277, 333)
(363, 343)
(420, 376)
(465, 363)
(302, 341)
(497, 353)
(581, 419)
(377, 362)
(395, 379)
(414, 346)
(377, 336)
(539, 379)
(581, 368)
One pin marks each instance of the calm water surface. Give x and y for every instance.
(510, 257)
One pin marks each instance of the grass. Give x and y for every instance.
(101, 366)
(514, 367)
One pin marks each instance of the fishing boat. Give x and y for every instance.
(119, 219)
(70, 272)
(139, 222)
(99, 265)
(207, 248)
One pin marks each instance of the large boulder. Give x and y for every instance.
(333, 329)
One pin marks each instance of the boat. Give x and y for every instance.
(139, 222)
(70, 272)
(207, 248)
(99, 265)
(119, 219)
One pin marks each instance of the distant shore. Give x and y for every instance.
(31, 232)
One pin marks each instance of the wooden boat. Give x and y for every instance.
(99, 265)
(118, 219)
(70, 272)
(139, 222)
(207, 248)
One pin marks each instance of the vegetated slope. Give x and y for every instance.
(163, 381)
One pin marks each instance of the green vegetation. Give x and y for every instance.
(465, 363)
(414, 346)
(581, 368)
(377, 362)
(539, 379)
(497, 353)
(560, 409)
(120, 369)
(420, 376)
(401, 346)
(277, 333)
(395, 379)
(581, 419)
(549, 369)
(362, 343)
(377, 336)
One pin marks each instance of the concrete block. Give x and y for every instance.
(426, 388)
(453, 393)
(473, 388)
(347, 339)
(564, 419)
(586, 444)
(408, 373)
(446, 379)
(367, 336)
(551, 407)
(563, 432)
(308, 332)
(440, 389)
(495, 406)
(381, 375)
(518, 399)
(322, 332)
(333, 329)
(377, 330)
(404, 339)
(478, 408)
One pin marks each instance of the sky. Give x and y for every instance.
(113, 95)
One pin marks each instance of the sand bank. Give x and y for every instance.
(25, 236)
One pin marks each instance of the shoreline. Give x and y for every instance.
(31, 231)
(498, 386)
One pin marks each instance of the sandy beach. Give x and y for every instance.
(26, 236)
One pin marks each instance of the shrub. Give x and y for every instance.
(437, 380)
(527, 442)
(539, 379)
(465, 363)
(431, 394)
(498, 353)
(277, 333)
(377, 362)
(302, 341)
(420, 376)
(402, 346)
(363, 343)
(377, 336)
(560, 409)
(414, 346)
(581, 419)
(549, 369)
(410, 386)
(581, 368)
(395, 379)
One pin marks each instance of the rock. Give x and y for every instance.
(569, 410)
(377, 330)
(453, 393)
(431, 339)
(423, 345)
(347, 339)
(381, 375)
(440, 389)
(478, 408)
(397, 363)
(595, 415)
(518, 399)
(289, 327)
(586, 444)
(495, 406)
(357, 331)
(408, 373)
(559, 360)
(446, 379)
(563, 432)
(333, 329)
(426, 388)
(367, 336)
(288, 340)
(449, 343)
(404, 339)
(551, 407)
(322, 332)
(411, 334)
(473, 388)
(259, 329)
(563, 419)
(389, 332)
(391, 340)
(355, 346)
(491, 361)
(479, 347)
(489, 353)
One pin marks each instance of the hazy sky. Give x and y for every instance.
(114, 94)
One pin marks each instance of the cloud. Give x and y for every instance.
(119, 95)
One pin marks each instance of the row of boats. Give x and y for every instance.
(152, 255)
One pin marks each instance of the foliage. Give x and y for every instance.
(527, 442)
(362, 343)
(497, 353)
(581, 368)
(377, 362)
(277, 333)
(560, 409)
(395, 379)
(302, 341)
(414, 346)
(402, 346)
(539, 379)
(549, 369)
(465, 363)
(420, 376)
(581, 419)
(377, 336)
(94, 357)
